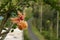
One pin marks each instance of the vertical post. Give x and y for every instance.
(41, 15)
(57, 23)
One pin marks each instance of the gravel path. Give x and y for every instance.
(31, 34)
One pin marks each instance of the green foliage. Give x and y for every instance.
(7, 23)
(37, 33)
(28, 13)
(14, 26)
(54, 3)
(48, 36)
(10, 7)
(26, 35)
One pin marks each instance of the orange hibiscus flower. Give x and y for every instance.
(19, 20)
(22, 25)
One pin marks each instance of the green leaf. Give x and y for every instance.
(14, 26)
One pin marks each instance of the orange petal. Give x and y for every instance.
(20, 28)
(23, 25)
(19, 13)
(14, 20)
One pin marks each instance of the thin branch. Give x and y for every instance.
(7, 15)
(7, 31)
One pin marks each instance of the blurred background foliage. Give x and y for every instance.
(45, 16)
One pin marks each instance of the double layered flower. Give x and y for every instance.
(19, 20)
